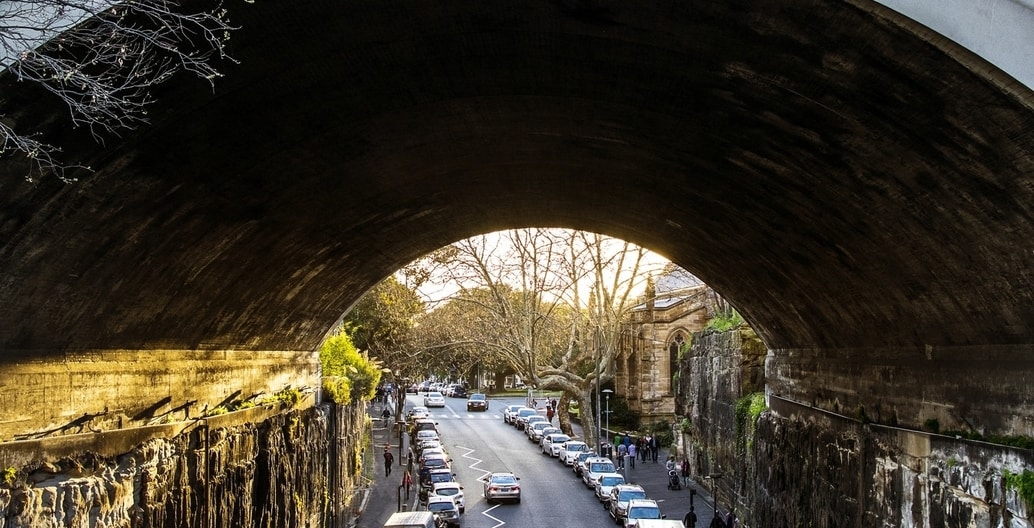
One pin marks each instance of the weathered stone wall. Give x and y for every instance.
(801, 465)
(264, 467)
(981, 388)
(817, 468)
(101, 390)
(719, 369)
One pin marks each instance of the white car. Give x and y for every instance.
(535, 430)
(594, 467)
(605, 482)
(641, 509)
(453, 490)
(434, 399)
(419, 413)
(571, 450)
(510, 413)
(553, 442)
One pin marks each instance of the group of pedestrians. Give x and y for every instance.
(645, 448)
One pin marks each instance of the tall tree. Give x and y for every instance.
(547, 302)
(381, 324)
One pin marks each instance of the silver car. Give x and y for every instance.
(502, 486)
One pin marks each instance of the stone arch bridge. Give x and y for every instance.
(859, 186)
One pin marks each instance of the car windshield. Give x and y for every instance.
(644, 512)
(447, 491)
(601, 467)
(628, 495)
(503, 479)
(477, 396)
(440, 506)
(441, 477)
(561, 439)
(611, 481)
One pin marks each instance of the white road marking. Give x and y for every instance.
(499, 522)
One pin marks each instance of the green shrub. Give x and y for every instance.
(748, 409)
(1023, 483)
(339, 358)
(9, 475)
(725, 321)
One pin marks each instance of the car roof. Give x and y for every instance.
(449, 484)
(629, 486)
(642, 502)
(440, 498)
(610, 474)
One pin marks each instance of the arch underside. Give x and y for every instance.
(843, 177)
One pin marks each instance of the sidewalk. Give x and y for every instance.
(386, 497)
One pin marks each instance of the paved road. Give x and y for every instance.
(552, 495)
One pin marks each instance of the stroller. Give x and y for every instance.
(674, 483)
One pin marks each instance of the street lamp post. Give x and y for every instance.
(607, 392)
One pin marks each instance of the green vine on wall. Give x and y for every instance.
(748, 409)
(1023, 483)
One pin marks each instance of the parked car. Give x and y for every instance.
(423, 424)
(579, 462)
(452, 490)
(445, 510)
(418, 413)
(605, 482)
(641, 509)
(477, 402)
(534, 430)
(553, 442)
(510, 413)
(434, 399)
(522, 417)
(425, 435)
(570, 450)
(458, 392)
(594, 467)
(502, 486)
(429, 477)
(617, 503)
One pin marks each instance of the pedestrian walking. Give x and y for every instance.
(407, 482)
(622, 453)
(684, 469)
(389, 459)
(386, 415)
(670, 463)
(654, 448)
(690, 520)
(631, 455)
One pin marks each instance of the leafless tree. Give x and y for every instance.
(102, 60)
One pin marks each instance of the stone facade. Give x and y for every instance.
(647, 363)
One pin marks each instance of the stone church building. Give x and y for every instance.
(675, 307)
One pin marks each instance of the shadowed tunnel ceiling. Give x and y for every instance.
(843, 176)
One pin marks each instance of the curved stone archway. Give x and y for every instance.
(850, 181)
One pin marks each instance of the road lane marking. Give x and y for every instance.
(499, 522)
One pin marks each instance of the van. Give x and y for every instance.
(658, 523)
(413, 519)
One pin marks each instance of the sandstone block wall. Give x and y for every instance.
(268, 467)
(102, 390)
(802, 465)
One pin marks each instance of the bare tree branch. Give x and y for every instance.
(102, 59)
